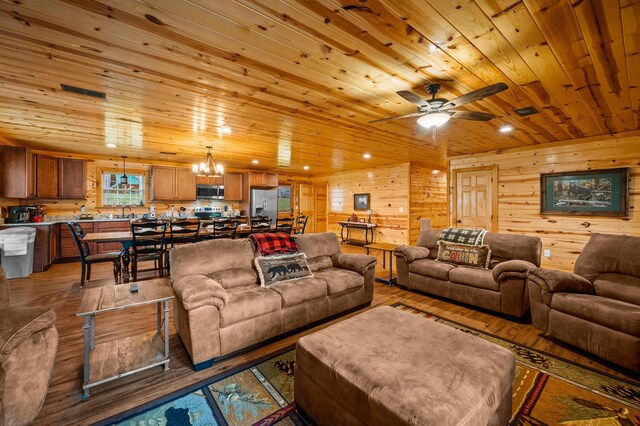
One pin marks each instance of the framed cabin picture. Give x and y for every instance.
(586, 193)
(361, 201)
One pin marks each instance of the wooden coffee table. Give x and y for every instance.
(119, 358)
(384, 248)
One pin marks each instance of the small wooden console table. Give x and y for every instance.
(119, 358)
(367, 228)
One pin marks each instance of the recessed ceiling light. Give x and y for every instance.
(255, 161)
(111, 145)
(366, 156)
(306, 167)
(506, 128)
(435, 171)
(225, 130)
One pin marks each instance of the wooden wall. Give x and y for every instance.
(519, 191)
(400, 195)
(427, 199)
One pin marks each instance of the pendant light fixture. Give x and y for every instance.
(208, 167)
(124, 180)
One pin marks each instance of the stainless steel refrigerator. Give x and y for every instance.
(264, 202)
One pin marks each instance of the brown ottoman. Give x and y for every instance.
(388, 367)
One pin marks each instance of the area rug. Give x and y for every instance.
(546, 391)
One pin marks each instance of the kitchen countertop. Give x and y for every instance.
(54, 222)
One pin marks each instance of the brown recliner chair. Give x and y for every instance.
(597, 308)
(28, 345)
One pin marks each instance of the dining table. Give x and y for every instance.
(126, 239)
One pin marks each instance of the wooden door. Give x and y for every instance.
(163, 181)
(233, 186)
(307, 206)
(185, 185)
(320, 207)
(474, 199)
(73, 179)
(46, 177)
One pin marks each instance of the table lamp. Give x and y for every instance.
(369, 212)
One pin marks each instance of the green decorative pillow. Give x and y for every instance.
(280, 268)
(464, 254)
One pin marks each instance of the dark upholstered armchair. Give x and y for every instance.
(597, 308)
(28, 345)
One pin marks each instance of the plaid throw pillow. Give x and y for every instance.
(277, 269)
(464, 254)
(274, 243)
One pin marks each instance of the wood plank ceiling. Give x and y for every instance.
(298, 80)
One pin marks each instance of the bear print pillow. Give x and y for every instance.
(279, 268)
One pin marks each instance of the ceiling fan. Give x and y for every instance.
(435, 112)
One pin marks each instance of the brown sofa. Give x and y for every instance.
(28, 345)
(501, 288)
(597, 308)
(221, 307)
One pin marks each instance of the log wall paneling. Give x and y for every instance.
(428, 199)
(519, 191)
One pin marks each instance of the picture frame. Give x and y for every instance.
(585, 193)
(361, 201)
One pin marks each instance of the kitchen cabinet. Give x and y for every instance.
(262, 179)
(46, 177)
(17, 172)
(54, 243)
(72, 178)
(202, 180)
(185, 185)
(172, 184)
(233, 190)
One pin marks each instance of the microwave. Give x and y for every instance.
(209, 192)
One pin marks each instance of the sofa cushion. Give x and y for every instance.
(300, 291)
(248, 302)
(431, 268)
(340, 280)
(514, 247)
(274, 269)
(237, 277)
(609, 253)
(464, 254)
(210, 256)
(314, 245)
(618, 286)
(320, 262)
(474, 277)
(610, 313)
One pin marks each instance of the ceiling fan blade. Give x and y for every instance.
(476, 95)
(413, 98)
(397, 117)
(472, 115)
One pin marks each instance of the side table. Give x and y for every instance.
(384, 248)
(119, 358)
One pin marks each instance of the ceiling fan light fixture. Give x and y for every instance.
(435, 119)
(208, 167)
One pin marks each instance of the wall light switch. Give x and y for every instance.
(547, 252)
(401, 209)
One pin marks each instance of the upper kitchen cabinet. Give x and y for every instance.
(202, 180)
(17, 172)
(47, 177)
(262, 179)
(233, 186)
(172, 184)
(72, 178)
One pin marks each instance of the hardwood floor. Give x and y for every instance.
(59, 287)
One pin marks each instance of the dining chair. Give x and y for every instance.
(284, 224)
(260, 224)
(181, 231)
(225, 228)
(148, 243)
(300, 224)
(89, 259)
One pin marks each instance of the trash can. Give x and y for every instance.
(16, 251)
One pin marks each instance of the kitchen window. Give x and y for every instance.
(117, 193)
